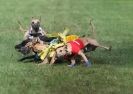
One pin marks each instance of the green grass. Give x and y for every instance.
(111, 72)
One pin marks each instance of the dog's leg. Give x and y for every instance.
(93, 42)
(72, 62)
(105, 47)
(87, 62)
(45, 61)
(53, 59)
(21, 27)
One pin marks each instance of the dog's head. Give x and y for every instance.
(25, 50)
(61, 52)
(35, 24)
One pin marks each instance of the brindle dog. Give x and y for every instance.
(35, 31)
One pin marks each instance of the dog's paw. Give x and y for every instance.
(71, 66)
(87, 64)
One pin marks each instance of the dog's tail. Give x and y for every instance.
(92, 28)
(21, 27)
(105, 47)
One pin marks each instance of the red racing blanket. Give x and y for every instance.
(76, 45)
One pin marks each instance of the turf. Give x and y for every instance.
(111, 72)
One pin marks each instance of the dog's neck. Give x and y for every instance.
(34, 30)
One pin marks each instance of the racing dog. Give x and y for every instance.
(34, 31)
(75, 48)
(35, 46)
(78, 47)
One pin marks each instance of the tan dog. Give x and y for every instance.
(36, 45)
(37, 48)
(75, 48)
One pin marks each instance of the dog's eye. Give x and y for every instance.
(60, 50)
(32, 22)
(66, 50)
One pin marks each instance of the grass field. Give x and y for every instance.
(111, 72)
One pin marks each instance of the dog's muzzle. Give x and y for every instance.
(36, 26)
(25, 50)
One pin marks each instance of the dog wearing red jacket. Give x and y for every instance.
(76, 48)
